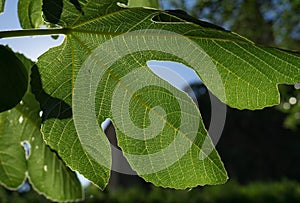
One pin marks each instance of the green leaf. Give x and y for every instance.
(47, 173)
(64, 138)
(144, 3)
(2, 3)
(30, 13)
(93, 148)
(90, 10)
(53, 9)
(100, 70)
(13, 79)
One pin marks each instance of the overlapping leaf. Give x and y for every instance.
(23, 154)
(249, 75)
(2, 2)
(30, 13)
(13, 79)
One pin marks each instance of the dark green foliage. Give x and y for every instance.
(52, 10)
(13, 79)
(284, 191)
(257, 192)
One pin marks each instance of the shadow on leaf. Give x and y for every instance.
(77, 6)
(51, 107)
(53, 9)
(13, 79)
(182, 16)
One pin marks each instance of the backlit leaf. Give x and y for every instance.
(30, 13)
(101, 71)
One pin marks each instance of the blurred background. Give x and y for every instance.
(259, 148)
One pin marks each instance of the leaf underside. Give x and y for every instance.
(239, 72)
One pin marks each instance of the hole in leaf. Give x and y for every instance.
(84, 182)
(25, 187)
(110, 132)
(119, 162)
(105, 124)
(184, 79)
(27, 148)
(174, 73)
(21, 119)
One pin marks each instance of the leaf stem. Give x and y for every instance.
(33, 32)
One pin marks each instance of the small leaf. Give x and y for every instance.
(30, 13)
(2, 3)
(13, 79)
